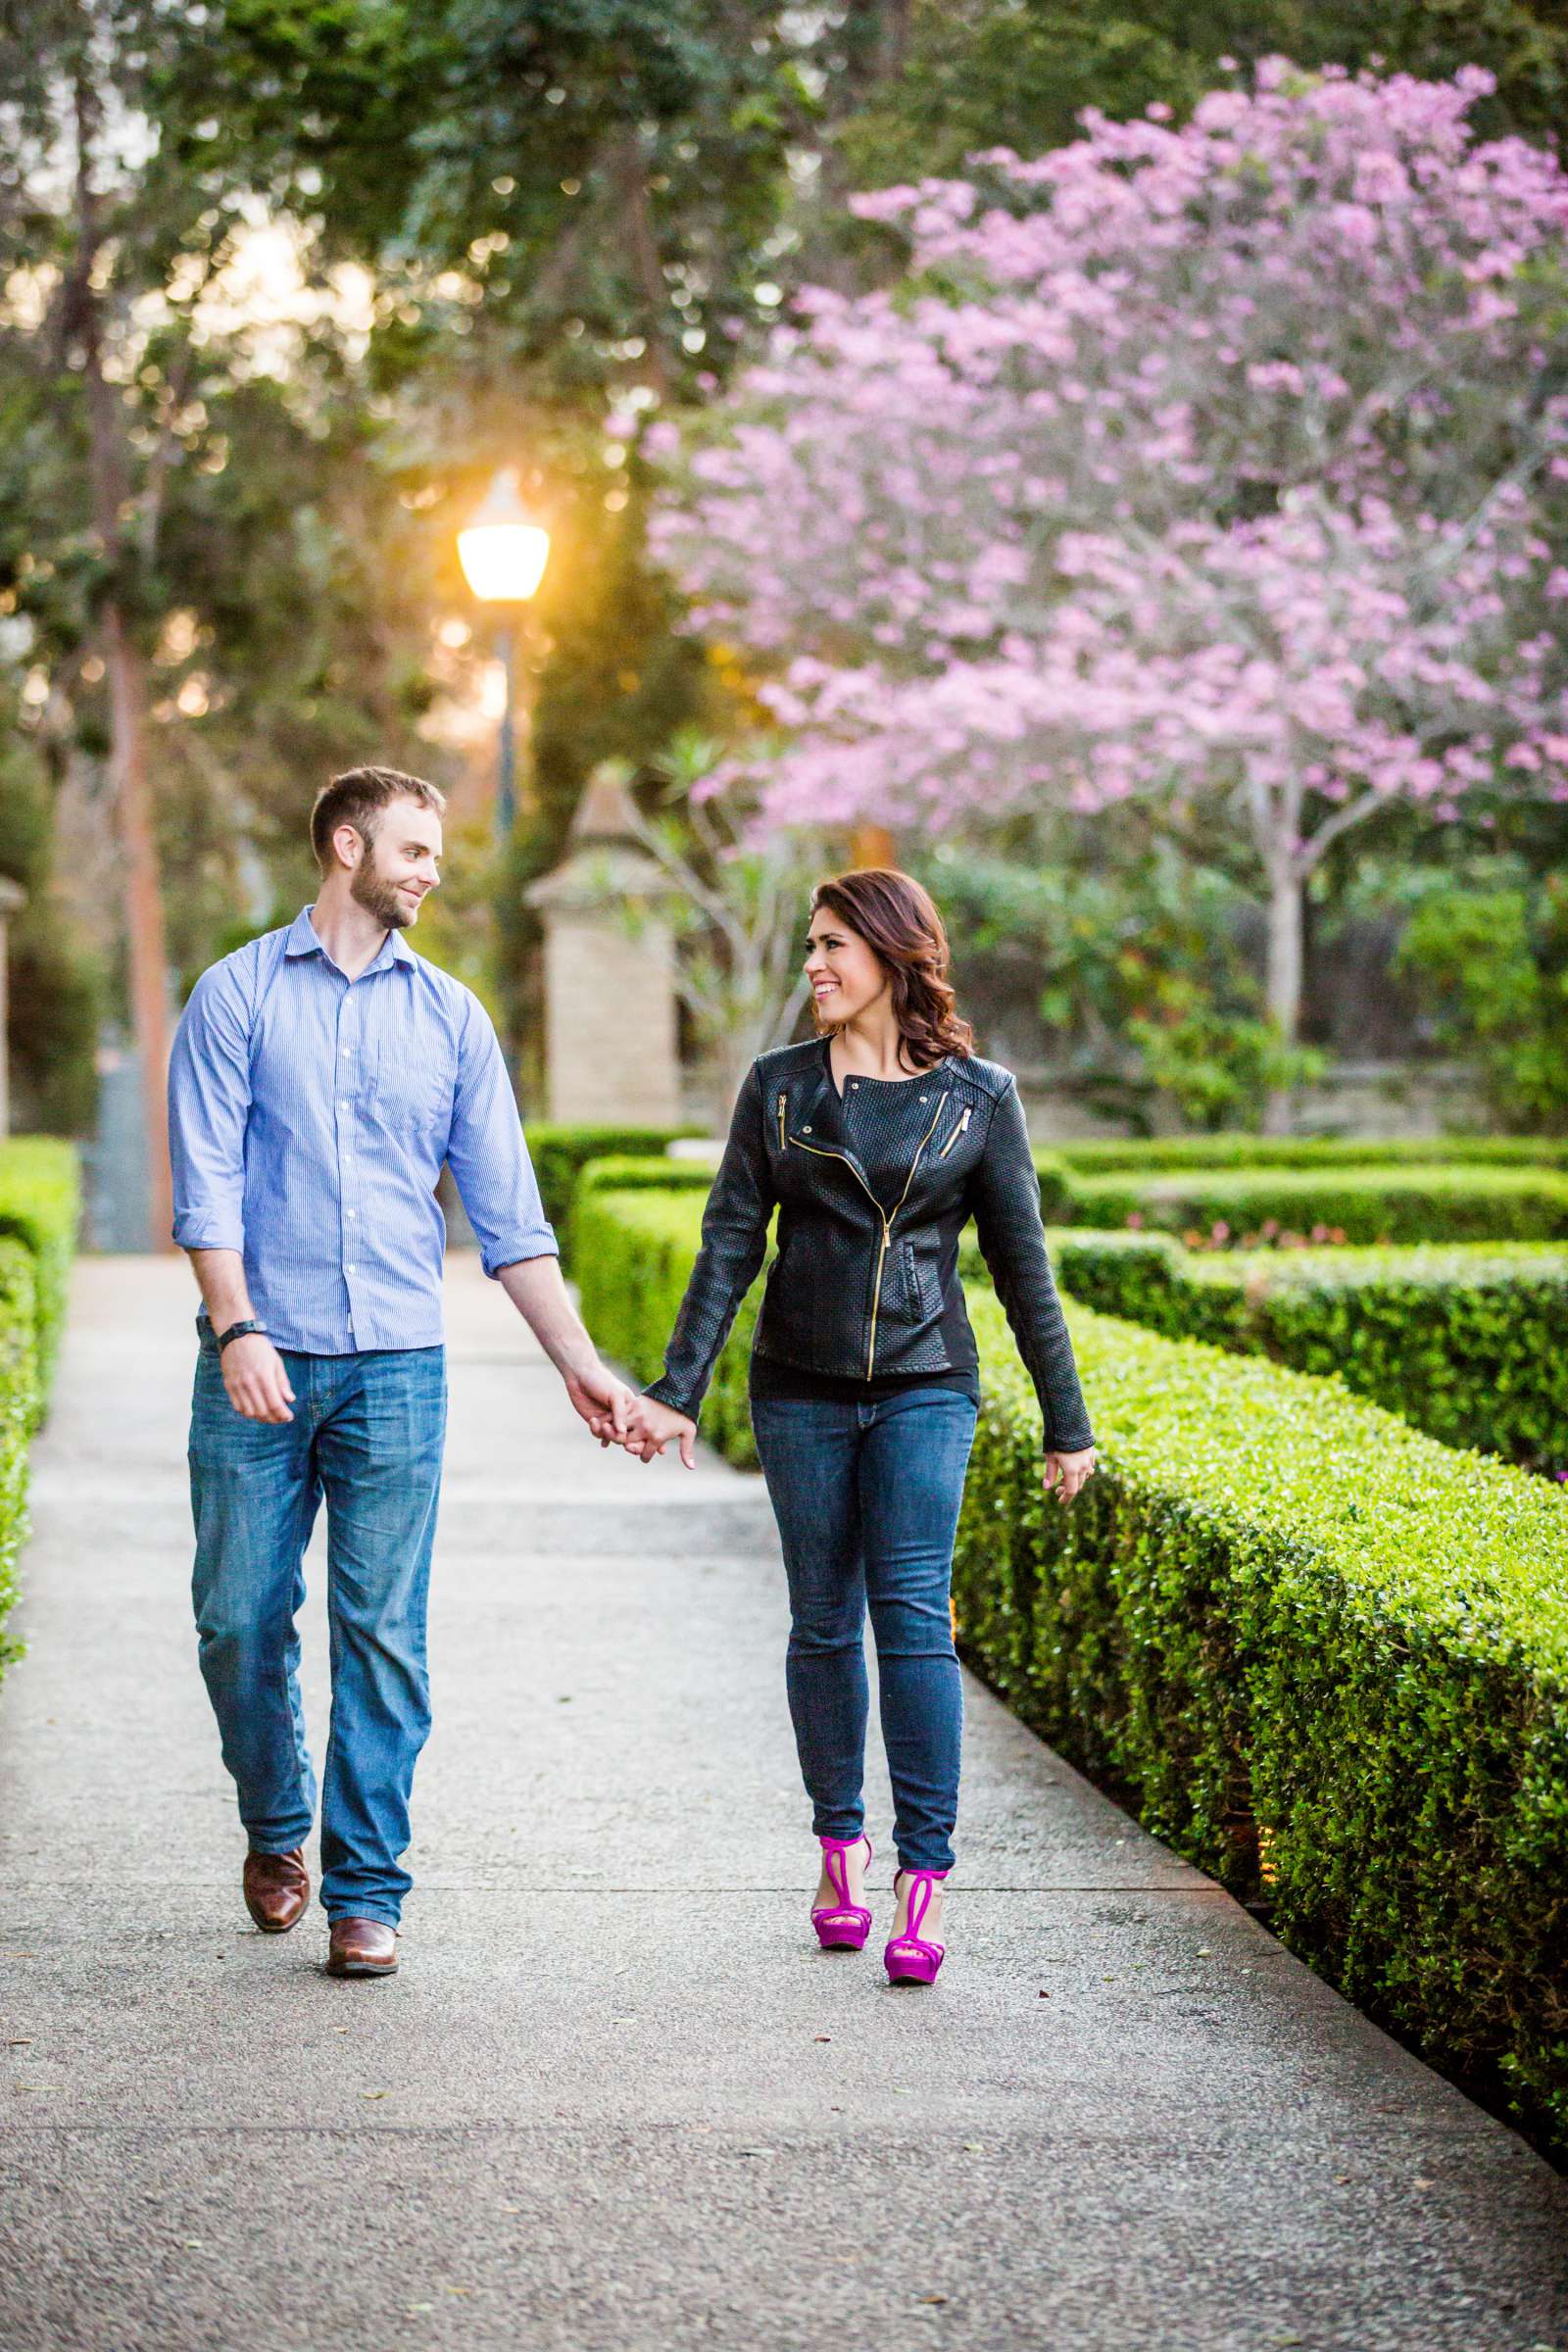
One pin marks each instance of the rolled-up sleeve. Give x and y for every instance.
(487, 1156)
(208, 1100)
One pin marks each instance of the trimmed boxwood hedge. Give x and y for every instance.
(1319, 1652)
(1094, 1155)
(1419, 1202)
(19, 1411)
(1385, 1205)
(39, 1204)
(1464, 1339)
(559, 1153)
(631, 1255)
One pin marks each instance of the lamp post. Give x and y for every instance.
(503, 554)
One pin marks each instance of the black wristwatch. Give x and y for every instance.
(239, 1331)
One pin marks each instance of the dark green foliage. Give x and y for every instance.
(1414, 1203)
(1464, 1341)
(631, 1253)
(18, 1401)
(1102, 1156)
(40, 1203)
(38, 1212)
(559, 1153)
(1348, 1691)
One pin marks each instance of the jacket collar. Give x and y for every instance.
(820, 1106)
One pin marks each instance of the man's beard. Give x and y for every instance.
(379, 897)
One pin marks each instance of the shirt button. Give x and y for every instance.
(348, 1212)
(348, 1269)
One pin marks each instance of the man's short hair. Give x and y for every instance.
(359, 796)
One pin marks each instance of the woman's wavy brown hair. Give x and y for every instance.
(898, 919)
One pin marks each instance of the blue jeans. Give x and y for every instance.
(366, 1434)
(866, 1497)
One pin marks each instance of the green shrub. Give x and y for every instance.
(1417, 1203)
(620, 1174)
(40, 1203)
(558, 1154)
(1464, 1340)
(19, 1411)
(1097, 1155)
(631, 1253)
(1319, 1652)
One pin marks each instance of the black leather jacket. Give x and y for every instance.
(862, 1285)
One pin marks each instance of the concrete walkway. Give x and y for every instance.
(614, 2097)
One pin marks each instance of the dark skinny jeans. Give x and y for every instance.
(866, 1496)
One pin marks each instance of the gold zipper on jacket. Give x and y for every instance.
(887, 1221)
(956, 1132)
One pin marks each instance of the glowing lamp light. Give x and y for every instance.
(501, 552)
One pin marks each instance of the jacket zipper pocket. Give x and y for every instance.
(782, 1103)
(956, 1132)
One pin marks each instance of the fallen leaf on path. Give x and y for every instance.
(374, 2095)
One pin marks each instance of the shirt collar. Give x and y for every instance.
(303, 941)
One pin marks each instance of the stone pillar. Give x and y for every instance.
(12, 899)
(611, 1056)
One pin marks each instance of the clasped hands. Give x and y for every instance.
(617, 1415)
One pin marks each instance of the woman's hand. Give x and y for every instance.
(1071, 1470)
(650, 1426)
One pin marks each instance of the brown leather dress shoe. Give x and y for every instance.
(362, 1948)
(277, 1887)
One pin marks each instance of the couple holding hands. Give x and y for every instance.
(321, 1076)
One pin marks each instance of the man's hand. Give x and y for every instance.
(603, 1401)
(1071, 1469)
(255, 1379)
(650, 1427)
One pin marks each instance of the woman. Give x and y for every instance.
(876, 1140)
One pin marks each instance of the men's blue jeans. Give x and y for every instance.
(367, 1434)
(866, 1497)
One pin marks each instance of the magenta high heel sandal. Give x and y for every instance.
(841, 1927)
(908, 1958)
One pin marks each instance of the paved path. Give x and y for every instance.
(615, 2098)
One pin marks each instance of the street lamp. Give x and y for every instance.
(503, 556)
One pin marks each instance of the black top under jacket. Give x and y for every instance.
(873, 1190)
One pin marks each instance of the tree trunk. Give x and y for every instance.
(1284, 979)
(872, 845)
(145, 914)
(143, 897)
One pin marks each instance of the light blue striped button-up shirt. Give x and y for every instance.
(309, 1116)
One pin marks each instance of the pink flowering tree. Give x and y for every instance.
(1222, 471)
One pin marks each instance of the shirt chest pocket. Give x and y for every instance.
(409, 1086)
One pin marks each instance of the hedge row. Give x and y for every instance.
(1320, 1653)
(560, 1153)
(1095, 1156)
(1350, 1688)
(1418, 1203)
(630, 1253)
(1465, 1341)
(38, 1211)
(40, 1203)
(1367, 1206)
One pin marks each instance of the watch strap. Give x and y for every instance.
(239, 1331)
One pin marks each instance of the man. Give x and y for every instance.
(320, 1078)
